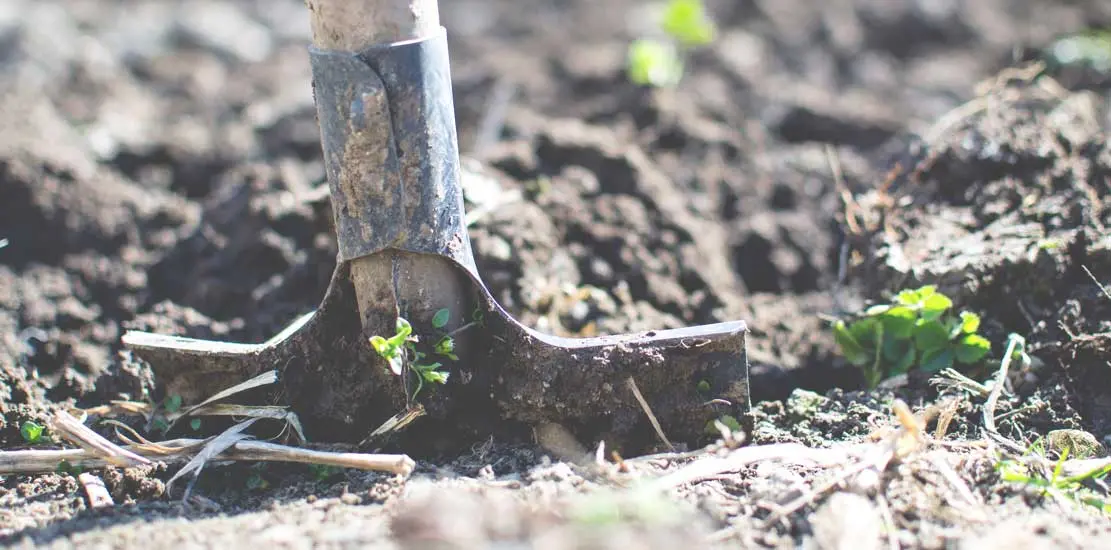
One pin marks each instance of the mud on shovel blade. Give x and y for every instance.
(391, 154)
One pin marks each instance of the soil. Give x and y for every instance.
(160, 169)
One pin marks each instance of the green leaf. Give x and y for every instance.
(256, 482)
(914, 297)
(404, 329)
(895, 348)
(852, 350)
(396, 364)
(908, 297)
(937, 360)
(866, 331)
(898, 322)
(905, 362)
(970, 322)
(172, 403)
(446, 347)
(435, 376)
(195, 424)
(440, 319)
(930, 335)
(31, 431)
(385, 348)
(878, 309)
(935, 305)
(654, 63)
(686, 21)
(972, 349)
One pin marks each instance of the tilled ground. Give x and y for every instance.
(160, 169)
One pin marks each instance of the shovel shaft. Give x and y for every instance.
(351, 25)
(388, 128)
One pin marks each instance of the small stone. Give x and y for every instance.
(1078, 443)
(847, 521)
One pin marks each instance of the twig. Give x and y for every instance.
(266, 378)
(1102, 288)
(788, 452)
(955, 480)
(69, 428)
(181, 450)
(395, 423)
(648, 411)
(812, 495)
(211, 448)
(1013, 341)
(888, 522)
(95, 491)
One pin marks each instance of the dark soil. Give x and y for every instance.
(160, 169)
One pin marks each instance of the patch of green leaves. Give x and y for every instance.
(914, 332)
(31, 432)
(660, 62)
(400, 350)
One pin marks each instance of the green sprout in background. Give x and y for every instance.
(659, 62)
(1090, 49)
(917, 332)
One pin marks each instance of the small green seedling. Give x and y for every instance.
(31, 432)
(172, 403)
(687, 22)
(1085, 50)
(727, 420)
(654, 63)
(915, 332)
(1056, 484)
(195, 424)
(66, 467)
(660, 62)
(324, 472)
(400, 349)
(256, 482)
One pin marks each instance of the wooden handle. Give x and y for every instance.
(353, 25)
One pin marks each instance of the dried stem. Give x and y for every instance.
(182, 450)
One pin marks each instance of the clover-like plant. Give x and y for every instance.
(400, 350)
(915, 332)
